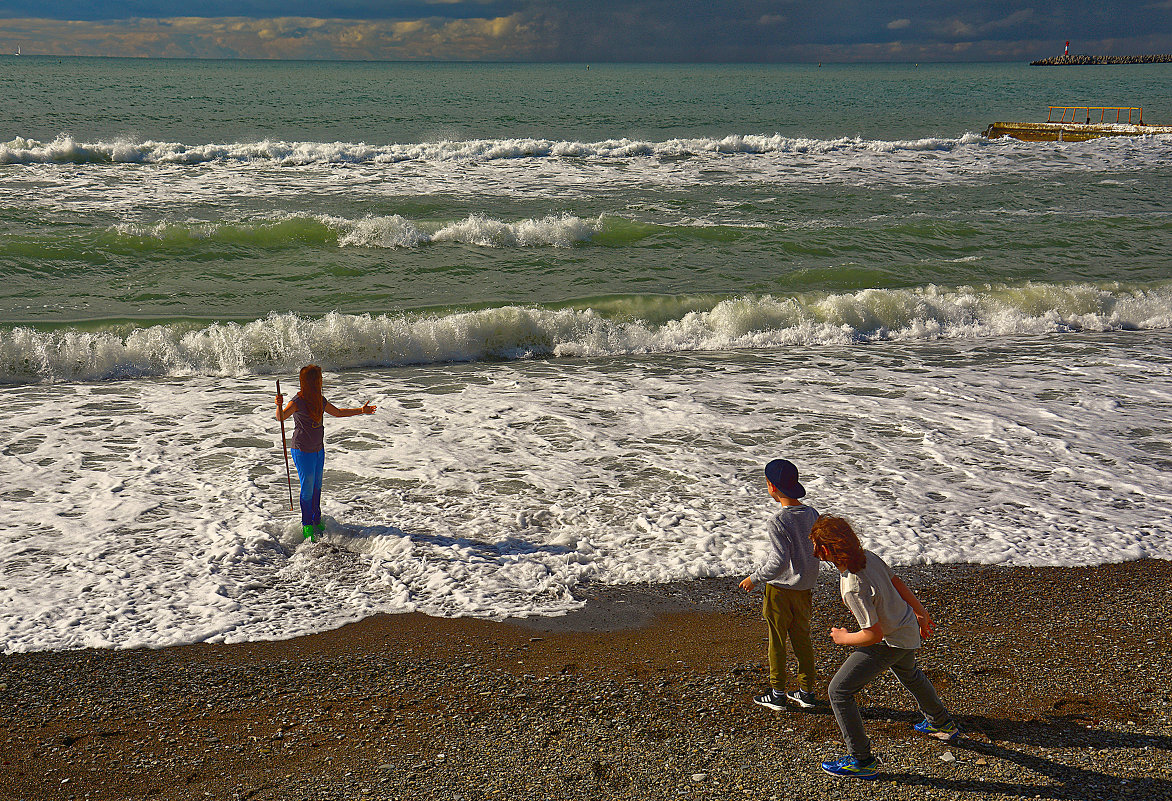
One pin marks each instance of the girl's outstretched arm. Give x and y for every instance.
(926, 624)
(334, 411)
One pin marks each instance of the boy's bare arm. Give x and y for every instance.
(868, 636)
(925, 620)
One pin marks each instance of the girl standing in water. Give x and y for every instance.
(309, 453)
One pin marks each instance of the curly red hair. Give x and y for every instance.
(839, 539)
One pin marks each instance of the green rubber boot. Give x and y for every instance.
(319, 528)
(307, 533)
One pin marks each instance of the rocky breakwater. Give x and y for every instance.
(1083, 60)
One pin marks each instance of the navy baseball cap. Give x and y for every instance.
(783, 475)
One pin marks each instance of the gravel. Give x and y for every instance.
(1058, 677)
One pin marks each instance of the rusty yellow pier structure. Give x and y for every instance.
(1079, 123)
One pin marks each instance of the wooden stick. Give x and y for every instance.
(284, 447)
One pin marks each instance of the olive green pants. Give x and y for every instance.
(787, 614)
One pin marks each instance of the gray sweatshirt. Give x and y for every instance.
(791, 562)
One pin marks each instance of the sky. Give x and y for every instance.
(589, 30)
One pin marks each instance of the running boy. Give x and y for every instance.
(790, 573)
(892, 622)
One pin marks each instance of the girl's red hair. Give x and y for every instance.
(310, 378)
(836, 536)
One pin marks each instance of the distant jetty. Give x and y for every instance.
(1090, 61)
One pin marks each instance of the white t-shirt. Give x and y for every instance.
(872, 598)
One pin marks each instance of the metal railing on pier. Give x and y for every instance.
(1076, 117)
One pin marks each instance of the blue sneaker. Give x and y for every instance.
(946, 732)
(850, 767)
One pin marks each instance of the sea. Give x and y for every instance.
(590, 302)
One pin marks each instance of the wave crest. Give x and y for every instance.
(66, 150)
(393, 231)
(613, 326)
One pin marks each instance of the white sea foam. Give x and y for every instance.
(148, 513)
(563, 230)
(393, 231)
(277, 173)
(637, 325)
(66, 150)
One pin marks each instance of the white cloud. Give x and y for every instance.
(898, 24)
(954, 28)
(499, 39)
(1012, 21)
(957, 28)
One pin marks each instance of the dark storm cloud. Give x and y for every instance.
(781, 31)
(599, 30)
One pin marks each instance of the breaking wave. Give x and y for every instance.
(600, 327)
(67, 150)
(393, 231)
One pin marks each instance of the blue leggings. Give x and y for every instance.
(310, 467)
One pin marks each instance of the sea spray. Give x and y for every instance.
(66, 150)
(389, 231)
(620, 326)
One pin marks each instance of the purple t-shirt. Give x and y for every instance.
(308, 434)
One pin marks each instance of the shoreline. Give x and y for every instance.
(1058, 677)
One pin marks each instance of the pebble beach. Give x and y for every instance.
(1058, 677)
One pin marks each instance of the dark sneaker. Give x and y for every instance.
(803, 699)
(947, 732)
(849, 767)
(773, 699)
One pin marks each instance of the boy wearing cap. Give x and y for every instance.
(790, 573)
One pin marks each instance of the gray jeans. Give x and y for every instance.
(860, 669)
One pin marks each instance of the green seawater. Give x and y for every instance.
(589, 303)
(156, 191)
(240, 101)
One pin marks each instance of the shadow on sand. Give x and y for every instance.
(993, 738)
